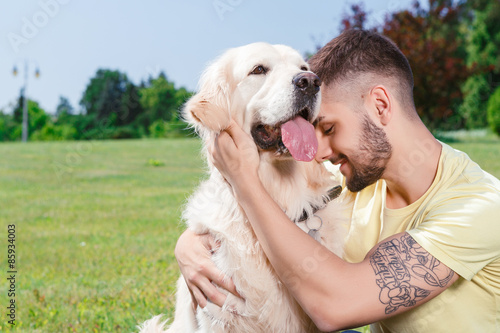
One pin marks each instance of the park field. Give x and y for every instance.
(95, 225)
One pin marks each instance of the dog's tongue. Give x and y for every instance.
(298, 136)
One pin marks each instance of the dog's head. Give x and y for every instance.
(268, 90)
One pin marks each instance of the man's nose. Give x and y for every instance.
(325, 150)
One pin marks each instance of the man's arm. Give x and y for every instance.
(395, 276)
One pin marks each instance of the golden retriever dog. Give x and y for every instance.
(270, 92)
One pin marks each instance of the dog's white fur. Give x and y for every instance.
(227, 90)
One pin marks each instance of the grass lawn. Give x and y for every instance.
(96, 224)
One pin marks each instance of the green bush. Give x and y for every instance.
(168, 129)
(474, 104)
(494, 111)
(124, 132)
(157, 129)
(97, 133)
(9, 129)
(51, 132)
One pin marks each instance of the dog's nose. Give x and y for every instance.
(308, 83)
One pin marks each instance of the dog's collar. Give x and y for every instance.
(331, 194)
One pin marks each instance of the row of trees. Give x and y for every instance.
(453, 47)
(113, 108)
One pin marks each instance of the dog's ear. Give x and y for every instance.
(209, 109)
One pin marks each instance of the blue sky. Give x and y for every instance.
(68, 40)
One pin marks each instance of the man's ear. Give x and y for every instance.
(209, 109)
(381, 100)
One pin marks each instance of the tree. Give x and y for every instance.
(114, 108)
(483, 54)
(111, 98)
(9, 129)
(356, 19)
(494, 111)
(353, 19)
(435, 48)
(161, 101)
(37, 117)
(130, 105)
(18, 109)
(64, 107)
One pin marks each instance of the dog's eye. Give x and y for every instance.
(304, 68)
(259, 70)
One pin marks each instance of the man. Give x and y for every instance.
(423, 251)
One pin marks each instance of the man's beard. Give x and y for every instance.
(369, 164)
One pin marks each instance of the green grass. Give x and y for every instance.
(96, 225)
(482, 146)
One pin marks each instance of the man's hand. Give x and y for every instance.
(235, 155)
(193, 254)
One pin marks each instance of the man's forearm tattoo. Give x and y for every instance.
(395, 262)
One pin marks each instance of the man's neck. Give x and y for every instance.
(412, 167)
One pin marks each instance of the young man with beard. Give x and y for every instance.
(423, 250)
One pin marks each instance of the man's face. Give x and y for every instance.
(348, 137)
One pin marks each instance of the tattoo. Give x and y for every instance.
(395, 262)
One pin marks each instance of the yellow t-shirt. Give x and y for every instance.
(458, 222)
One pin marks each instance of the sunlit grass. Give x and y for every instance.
(96, 224)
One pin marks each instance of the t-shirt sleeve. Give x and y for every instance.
(463, 231)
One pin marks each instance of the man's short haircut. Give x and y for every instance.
(359, 52)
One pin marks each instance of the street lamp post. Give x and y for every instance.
(25, 97)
